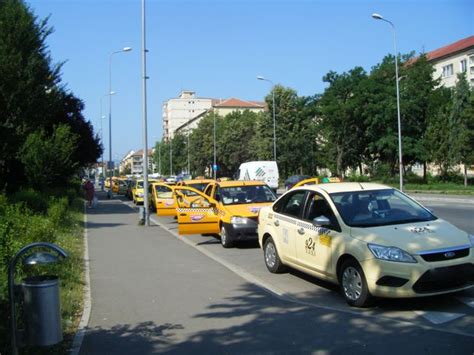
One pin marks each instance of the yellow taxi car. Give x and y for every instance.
(370, 239)
(228, 208)
(162, 199)
(137, 191)
(186, 197)
(315, 181)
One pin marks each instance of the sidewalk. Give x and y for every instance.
(152, 293)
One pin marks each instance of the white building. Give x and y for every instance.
(134, 160)
(223, 108)
(178, 111)
(455, 58)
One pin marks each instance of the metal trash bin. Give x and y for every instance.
(42, 310)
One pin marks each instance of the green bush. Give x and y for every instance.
(32, 200)
(58, 213)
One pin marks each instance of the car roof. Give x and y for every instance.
(233, 183)
(335, 187)
(198, 181)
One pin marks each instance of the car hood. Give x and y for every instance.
(414, 237)
(245, 210)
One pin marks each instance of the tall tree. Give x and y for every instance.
(342, 122)
(31, 95)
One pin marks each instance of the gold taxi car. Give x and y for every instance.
(137, 191)
(370, 239)
(227, 208)
(162, 199)
(187, 197)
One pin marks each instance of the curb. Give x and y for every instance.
(81, 329)
(464, 201)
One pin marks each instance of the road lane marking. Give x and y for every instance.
(280, 294)
(439, 317)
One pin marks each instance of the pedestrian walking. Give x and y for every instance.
(90, 192)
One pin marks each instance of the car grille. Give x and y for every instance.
(445, 278)
(442, 256)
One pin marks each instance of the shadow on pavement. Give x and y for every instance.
(141, 338)
(255, 323)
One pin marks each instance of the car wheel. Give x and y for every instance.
(226, 239)
(354, 285)
(272, 259)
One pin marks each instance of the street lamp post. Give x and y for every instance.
(125, 49)
(102, 116)
(214, 166)
(400, 160)
(274, 121)
(145, 128)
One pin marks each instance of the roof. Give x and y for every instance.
(336, 187)
(452, 48)
(234, 183)
(140, 152)
(197, 181)
(233, 102)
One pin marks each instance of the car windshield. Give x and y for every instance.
(199, 187)
(140, 184)
(378, 208)
(238, 195)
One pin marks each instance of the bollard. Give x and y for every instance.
(141, 215)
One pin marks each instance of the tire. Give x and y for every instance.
(226, 239)
(271, 257)
(354, 285)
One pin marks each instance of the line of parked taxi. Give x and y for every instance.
(371, 239)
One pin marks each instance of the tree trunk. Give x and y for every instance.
(465, 175)
(424, 172)
(360, 169)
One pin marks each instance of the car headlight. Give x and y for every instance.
(391, 253)
(471, 239)
(140, 194)
(239, 220)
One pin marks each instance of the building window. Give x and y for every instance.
(463, 66)
(471, 59)
(471, 70)
(447, 70)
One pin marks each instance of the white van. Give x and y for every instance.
(266, 171)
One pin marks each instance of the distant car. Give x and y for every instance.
(370, 239)
(294, 179)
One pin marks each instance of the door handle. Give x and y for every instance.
(301, 231)
(183, 214)
(276, 223)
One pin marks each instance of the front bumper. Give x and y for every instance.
(247, 231)
(394, 279)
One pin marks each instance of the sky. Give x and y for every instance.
(217, 48)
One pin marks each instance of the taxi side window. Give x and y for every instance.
(208, 190)
(293, 204)
(318, 206)
(218, 194)
(163, 192)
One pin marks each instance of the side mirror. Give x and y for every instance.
(321, 221)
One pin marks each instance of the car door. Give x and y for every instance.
(165, 203)
(288, 212)
(314, 245)
(201, 217)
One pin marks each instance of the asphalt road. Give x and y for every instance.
(449, 313)
(155, 293)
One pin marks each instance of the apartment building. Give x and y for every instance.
(133, 162)
(180, 110)
(455, 58)
(222, 108)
